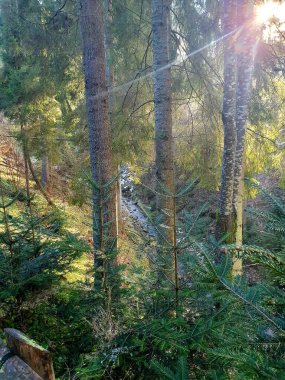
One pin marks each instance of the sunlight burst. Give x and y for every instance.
(269, 10)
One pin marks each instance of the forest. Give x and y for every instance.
(142, 178)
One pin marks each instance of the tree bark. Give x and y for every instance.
(119, 202)
(237, 262)
(226, 216)
(97, 105)
(245, 65)
(164, 160)
(26, 166)
(45, 171)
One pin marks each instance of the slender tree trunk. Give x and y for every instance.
(119, 202)
(226, 215)
(97, 104)
(247, 41)
(27, 180)
(163, 137)
(45, 171)
(27, 177)
(45, 161)
(35, 178)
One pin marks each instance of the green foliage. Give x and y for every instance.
(266, 243)
(66, 313)
(33, 254)
(166, 373)
(223, 330)
(36, 253)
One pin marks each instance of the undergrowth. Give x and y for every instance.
(222, 328)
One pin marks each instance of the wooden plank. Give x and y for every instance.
(15, 368)
(31, 353)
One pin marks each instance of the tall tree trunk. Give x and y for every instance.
(29, 167)
(226, 216)
(163, 137)
(110, 77)
(245, 63)
(97, 104)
